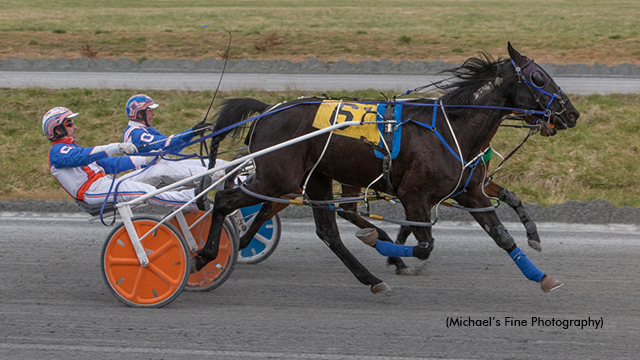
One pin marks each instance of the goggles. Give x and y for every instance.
(68, 123)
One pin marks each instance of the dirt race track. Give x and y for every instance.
(302, 303)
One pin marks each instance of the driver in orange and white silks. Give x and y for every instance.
(82, 171)
(141, 133)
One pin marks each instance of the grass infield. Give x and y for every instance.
(554, 31)
(595, 160)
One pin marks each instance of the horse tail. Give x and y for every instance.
(233, 111)
(236, 110)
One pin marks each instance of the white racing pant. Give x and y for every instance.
(130, 189)
(165, 172)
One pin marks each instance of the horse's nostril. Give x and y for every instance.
(574, 115)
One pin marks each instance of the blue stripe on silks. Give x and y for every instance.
(397, 133)
(526, 266)
(387, 248)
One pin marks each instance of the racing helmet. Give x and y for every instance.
(137, 103)
(55, 118)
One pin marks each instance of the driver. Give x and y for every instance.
(82, 171)
(140, 132)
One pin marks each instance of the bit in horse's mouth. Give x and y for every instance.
(548, 130)
(559, 124)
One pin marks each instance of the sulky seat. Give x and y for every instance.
(94, 210)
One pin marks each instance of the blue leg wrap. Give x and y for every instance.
(387, 248)
(526, 266)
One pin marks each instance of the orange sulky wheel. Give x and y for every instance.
(162, 280)
(218, 271)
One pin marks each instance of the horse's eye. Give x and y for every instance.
(538, 79)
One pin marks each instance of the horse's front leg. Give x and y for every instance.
(492, 225)
(505, 195)
(320, 188)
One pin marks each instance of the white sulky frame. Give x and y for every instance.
(124, 208)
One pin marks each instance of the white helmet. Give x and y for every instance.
(54, 118)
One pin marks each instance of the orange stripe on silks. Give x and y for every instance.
(92, 177)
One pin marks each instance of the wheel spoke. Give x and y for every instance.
(173, 283)
(262, 239)
(122, 261)
(138, 282)
(160, 251)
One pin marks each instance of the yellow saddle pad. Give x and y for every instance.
(349, 111)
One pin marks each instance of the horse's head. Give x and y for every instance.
(537, 91)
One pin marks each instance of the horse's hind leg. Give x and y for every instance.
(403, 234)
(319, 188)
(350, 214)
(267, 211)
(505, 195)
(226, 201)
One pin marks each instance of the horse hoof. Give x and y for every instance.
(535, 245)
(422, 253)
(404, 271)
(380, 287)
(549, 283)
(368, 236)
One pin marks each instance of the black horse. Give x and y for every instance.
(438, 137)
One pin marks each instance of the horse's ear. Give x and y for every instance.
(513, 54)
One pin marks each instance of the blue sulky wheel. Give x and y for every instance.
(266, 240)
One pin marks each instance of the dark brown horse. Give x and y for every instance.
(439, 138)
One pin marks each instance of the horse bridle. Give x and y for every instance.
(537, 80)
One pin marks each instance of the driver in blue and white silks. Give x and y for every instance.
(141, 133)
(82, 171)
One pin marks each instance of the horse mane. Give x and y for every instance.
(469, 77)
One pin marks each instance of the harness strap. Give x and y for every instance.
(316, 203)
(388, 139)
(547, 112)
(471, 210)
(435, 131)
(473, 168)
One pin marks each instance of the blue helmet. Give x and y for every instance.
(137, 103)
(54, 118)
